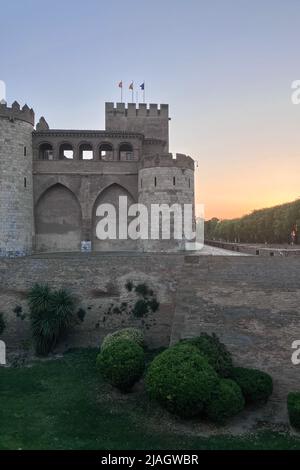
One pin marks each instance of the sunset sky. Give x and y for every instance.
(224, 66)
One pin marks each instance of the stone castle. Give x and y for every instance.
(52, 180)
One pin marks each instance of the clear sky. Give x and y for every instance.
(224, 66)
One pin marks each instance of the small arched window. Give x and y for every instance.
(86, 152)
(126, 153)
(106, 152)
(66, 152)
(45, 152)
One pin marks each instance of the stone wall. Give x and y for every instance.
(87, 181)
(94, 138)
(156, 180)
(252, 303)
(98, 281)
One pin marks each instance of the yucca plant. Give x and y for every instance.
(51, 313)
(39, 298)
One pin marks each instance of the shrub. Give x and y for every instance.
(2, 323)
(133, 334)
(51, 313)
(39, 298)
(181, 380)
(226, 401)
(140, 308)
(256, 385)
(121, 363)
(293, 405)
(216, 352)
(143, 290)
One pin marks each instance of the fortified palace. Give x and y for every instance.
(53, 180)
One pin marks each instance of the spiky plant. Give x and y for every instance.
(62, 306)
(39, 298)
(51, 313)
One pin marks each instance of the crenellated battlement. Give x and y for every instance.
(140, 110)
(150, 120)
(16, 112)
(167, 160)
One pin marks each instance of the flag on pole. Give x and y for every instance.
(121, 86)
(131, 88)
(142, 87)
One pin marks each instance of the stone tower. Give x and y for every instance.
(16, 192)
(166, 180)
(152, 122)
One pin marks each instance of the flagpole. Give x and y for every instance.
(122, 93)
(132, 100)
(144, 94)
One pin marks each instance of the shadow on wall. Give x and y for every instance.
(58, 221)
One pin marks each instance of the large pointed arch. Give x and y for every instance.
(58, 220)
(111, 195)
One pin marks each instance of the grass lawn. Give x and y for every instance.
(63, 404)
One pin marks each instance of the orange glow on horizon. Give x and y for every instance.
(230, 211)
(233, 199)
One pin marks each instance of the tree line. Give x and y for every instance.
(273, 225)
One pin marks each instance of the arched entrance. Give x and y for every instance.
(58, 221)
(111, 195)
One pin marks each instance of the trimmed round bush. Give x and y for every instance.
(121, 363)
(216, 352)
(226, 401)
(181, 380)
(293, 405)
(133, 334)
(255, 384)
